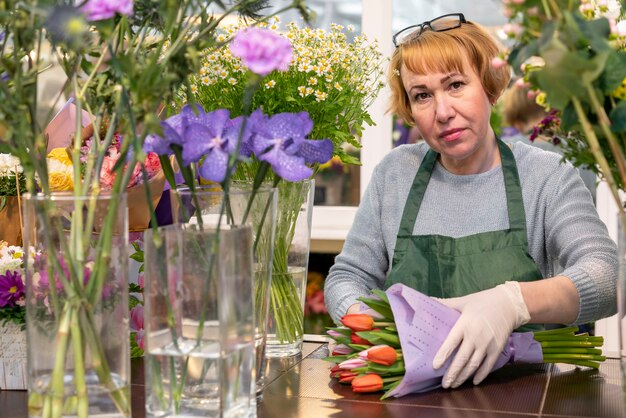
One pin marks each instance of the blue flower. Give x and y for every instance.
(281, 141)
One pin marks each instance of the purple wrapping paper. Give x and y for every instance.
(423, 324)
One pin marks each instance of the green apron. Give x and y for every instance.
(447, 267)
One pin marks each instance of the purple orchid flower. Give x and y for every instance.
(205, 137)
(262, 50)
(105, 9)
(249, 131)
(11, 288)
(281, 141)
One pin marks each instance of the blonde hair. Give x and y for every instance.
(445, 52)
(520, 111)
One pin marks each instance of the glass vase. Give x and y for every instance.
(199, 322)
(240, 206)
(292, 239)
(76, 267)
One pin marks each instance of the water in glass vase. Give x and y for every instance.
(285, 326)
(187, 380)
(101, 399)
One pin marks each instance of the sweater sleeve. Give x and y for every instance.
(362, 264)
(577, 237)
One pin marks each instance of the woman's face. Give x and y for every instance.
(451, 111)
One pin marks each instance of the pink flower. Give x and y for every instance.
(136, 318)
(153, 164)
(334, 333)
(136, 324)
(497, 63)
(353, 363)
(315, 303)
(105, 9)
(140, 280)
(262, 50)
(341, 349)
(107, 176)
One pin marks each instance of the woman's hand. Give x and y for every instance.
(487, 320)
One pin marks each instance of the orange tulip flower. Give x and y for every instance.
(367, 383)
(358, 322)
(382, 354)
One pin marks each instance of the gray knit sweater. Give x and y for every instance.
(565, 234)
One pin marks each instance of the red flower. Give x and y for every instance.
(382, 354)
(334, 372)
(358, 322)
(346, 376)
(367, 383)
(359, 340)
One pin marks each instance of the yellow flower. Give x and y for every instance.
(61, 155)
(61, 181)
(620, 92)
(60, 170)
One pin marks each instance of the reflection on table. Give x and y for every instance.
(300, 387)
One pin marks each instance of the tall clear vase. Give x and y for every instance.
(76, 267)
(199, 322)
(291, 261)
(240, 206)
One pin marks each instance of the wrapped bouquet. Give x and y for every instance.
(390, 346)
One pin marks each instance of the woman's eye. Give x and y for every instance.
(420, 97)
(456, 85)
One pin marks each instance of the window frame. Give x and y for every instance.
(330, 224)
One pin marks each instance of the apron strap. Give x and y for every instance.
(515, 204)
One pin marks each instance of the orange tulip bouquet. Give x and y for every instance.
(391, 344)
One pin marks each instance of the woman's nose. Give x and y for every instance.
(444, 109)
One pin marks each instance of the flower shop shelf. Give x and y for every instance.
(300, 387)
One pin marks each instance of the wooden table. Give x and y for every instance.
(300, 387)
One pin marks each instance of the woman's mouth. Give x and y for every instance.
(451, 135)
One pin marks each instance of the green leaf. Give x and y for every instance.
(595, 32)
(134, 288)
(389, 388)
(618, 117)
(561, 76)
(614, 71)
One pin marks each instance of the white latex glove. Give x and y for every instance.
(487, 320)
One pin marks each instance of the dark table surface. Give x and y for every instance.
(300, 387)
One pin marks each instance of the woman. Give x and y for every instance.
(464, 217)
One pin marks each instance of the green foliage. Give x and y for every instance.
(569, 53)
(8, 185)
(15, 314)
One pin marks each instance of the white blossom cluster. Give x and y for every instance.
(326, 64)
(8, 165)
